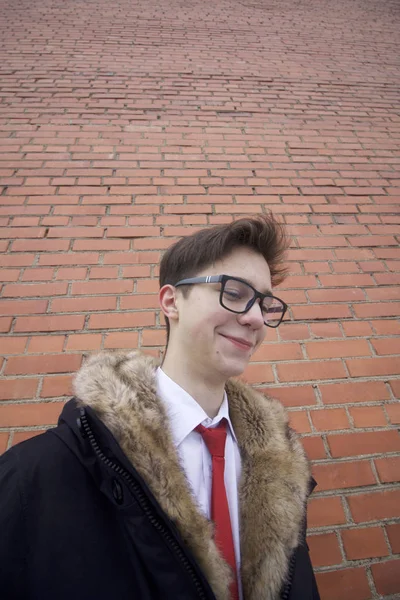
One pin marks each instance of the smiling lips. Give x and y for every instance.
(239, 342)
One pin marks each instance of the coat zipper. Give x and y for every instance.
(142, 501)
(288, 585)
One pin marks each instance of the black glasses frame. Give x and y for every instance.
(223, 279)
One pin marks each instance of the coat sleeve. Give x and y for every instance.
(13, 552)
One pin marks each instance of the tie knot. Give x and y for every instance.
(214, 438)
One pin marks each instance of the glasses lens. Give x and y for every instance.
(236, 295)
(273, 310)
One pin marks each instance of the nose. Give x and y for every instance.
(253, 316)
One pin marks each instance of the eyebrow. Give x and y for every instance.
(267, 290)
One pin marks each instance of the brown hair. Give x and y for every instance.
(190, 255)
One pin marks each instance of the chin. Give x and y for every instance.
(234, 368)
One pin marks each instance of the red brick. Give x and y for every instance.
(9, 275)
(292, 396)
(71, 273)
(121, 339)
(324, 549)
(13, 345)
(321, 311)
(368, 542)
(5, 323)
(258, 373)
(30, 290)
(40, 245)
(375, 506)
(325, 511)
(48, 363)
(388, 469)
(17, 260)
(106, 245)
(3, 441)
(371, 442)
(16, 389)
(393, 411)
(311, 371)
(137, 271)
(293, 331)
(46, 343)
(333, 476)
(126, 258)
(326, 330)
(104, 273)
(49, 323)
(381, 294)
(346, 584)
(329, 419)
(339, 295)
(23, 415)
(350, 281)
(368, 416)
(134, 232)
(31, 191)
(386, 327)
(37, 275)
(147, 285)
(79, 210)
(298, 420)
(56, 386)
(395, 385)
(299, 281)
(22, 307)
(275, 352)
(356, 329)
(386, 346)
(89, 304)
(84, 341)
(74, 258)
(122, 320)
(337, 349)
(339, 393)
(393, 532)
(155, 337)
(76, 232)
(368, 367)
(313, 447)
(383, 309)
(317, 267)
(138, 301)
(102, 287)
(21, 232)
(386, 577)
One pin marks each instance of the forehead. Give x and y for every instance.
(244, 263)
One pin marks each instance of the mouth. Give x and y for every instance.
(239, 342)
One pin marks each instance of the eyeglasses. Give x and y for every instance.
(238, 296)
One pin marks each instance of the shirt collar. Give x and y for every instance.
(183, 410)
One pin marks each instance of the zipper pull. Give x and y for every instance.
(80, 425)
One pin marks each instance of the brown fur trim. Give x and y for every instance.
(121, 388)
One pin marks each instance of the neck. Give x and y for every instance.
(208, 393)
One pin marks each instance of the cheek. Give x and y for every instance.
(207, 323)
(261, 336)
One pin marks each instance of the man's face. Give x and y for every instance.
(214, 340)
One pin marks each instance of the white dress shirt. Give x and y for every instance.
(185, 414)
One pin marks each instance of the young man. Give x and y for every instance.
(172, 482)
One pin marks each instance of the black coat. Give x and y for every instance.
(78, 521)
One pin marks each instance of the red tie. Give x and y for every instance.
(215, 441)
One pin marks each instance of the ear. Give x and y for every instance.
(168, 302)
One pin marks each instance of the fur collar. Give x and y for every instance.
(121, 388)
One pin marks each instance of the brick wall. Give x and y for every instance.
(126, 125)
